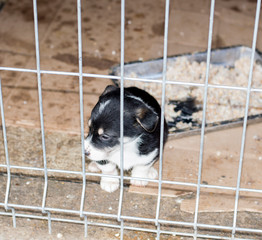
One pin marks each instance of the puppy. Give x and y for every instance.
(141, 140)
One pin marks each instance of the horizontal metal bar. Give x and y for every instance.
(247, 230)
(58, 210)
(202, 236)
(129, 78)
(132, 218)
(256, 90)
(192, 235)
(18, 69)
(135, 178)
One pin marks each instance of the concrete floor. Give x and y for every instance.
(101, 50)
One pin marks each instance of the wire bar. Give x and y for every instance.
(40, 102)
(158, 232)
(14, 217)
(122, 229)
(131, 79)
(161, 148)
(49, 222)
(136, 178)
(114, 216)
(211, 20)
(80, 64)
(242, 150)
(86, 226)
(122, 110)
(91, 223)
(8, 183)
(47, 213)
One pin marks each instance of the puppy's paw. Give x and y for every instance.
(151, 174)
(139, 183)
(109, 184)
(92, 167)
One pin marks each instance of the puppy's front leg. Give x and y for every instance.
(93, 167)
(109, 184)
(143, 171)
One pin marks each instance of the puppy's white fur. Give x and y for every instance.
(102, 146)
(141, 171)
(103, 105)
(132, 159)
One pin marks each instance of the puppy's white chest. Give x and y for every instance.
(131, 156)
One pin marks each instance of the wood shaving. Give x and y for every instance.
(222, 104)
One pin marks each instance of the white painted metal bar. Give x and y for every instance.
(158, 231)
(8, 169)
(135, 178)
(14, 217)
(80, 65)
(243, 140)
(86, 226)
(129, 227)
(18, 69)
(131, 79)
(122, 229)
(207, 226)
(119, 216)
(122, 59)
(40, 102)
(211, 20)
(49, 219)
(114, 216)
(162, 112)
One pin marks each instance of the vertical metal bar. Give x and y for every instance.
(14, 218)
(158, 232)
(49, 223)
(211, 20)
(246, 116)
(162, 112)
(40, 102)
(81, 104)
(86, 226)
(122, 230)
(122, 109)
(8, 183)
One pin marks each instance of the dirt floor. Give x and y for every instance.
(188, 32)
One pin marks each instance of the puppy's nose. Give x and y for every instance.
(87, 153)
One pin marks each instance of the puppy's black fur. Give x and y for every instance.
(139, 119)
(142, 115)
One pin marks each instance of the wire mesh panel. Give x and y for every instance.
(82, 213)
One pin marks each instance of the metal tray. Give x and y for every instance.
(153, 69)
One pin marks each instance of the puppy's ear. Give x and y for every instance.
(147, 119)
(109, 89)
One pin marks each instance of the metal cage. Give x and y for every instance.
(9, 209)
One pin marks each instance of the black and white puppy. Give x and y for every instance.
(141, 141)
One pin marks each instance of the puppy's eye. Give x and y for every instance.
(105, 137)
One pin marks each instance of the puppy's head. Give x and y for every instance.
(104, 125)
